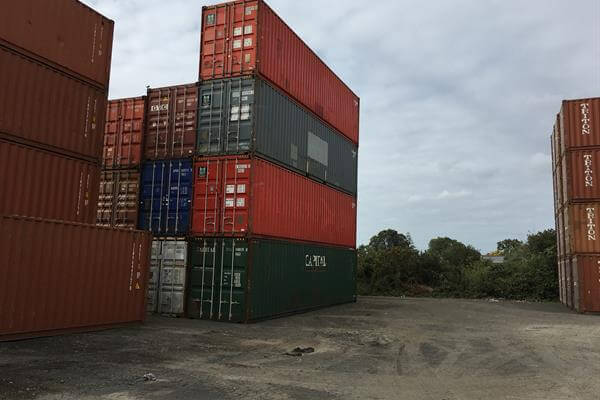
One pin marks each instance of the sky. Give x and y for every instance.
(458, 98)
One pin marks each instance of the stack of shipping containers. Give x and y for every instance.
(576, 156)
(273, 227)
(59, 271)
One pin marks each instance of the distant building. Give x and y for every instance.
(494, 259)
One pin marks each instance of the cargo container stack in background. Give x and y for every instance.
(576, 157)
(273, 229)
(60, 272)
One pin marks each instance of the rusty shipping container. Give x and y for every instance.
(43, 184)
(581, 222)
(63, 33)
(579, 123)
(123, 132)
(586, 283)
(580, 180)
(168, 276)
(118, 198)
(561, 281)
(59, 277)
(568, 283)
(170, 130)
(245, 37)
(241, 196)
(44, 107)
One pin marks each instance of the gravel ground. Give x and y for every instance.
(378, 348)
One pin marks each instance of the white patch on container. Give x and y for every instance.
(247, 42)
(586, 127)
(240, 202)
(241, 188)
(591, 224)
(237, 31)
(318, 149)
(247, 58)
(589, 178)
(247, 29)
(249, 9)
(237, 279)
(237, 44)
(229, 202)
(230, 189)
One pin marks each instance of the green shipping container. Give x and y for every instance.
(241, 280)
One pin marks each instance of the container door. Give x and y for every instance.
(151, 197)
(569, 283)
(106, 199)
(560, 282)
(157, 126)
(126, 202)
(239, 116)
(575, 278)
(211, 114)
(153, 281)
(177, 197)
(217, 279)
(183, 125)
(236, 193)
(207, 197)
(173, 260)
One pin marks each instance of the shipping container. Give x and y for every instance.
(250, 196)
(244, 37)
(242, 115)
(168, 271)
(581, 228)
(170, 130)
(46, 108)
(123, 132)
(64, 33)
(580, 123)
(586, 274)
(165, 197)
(581, 184)
(560, 235)
(118, 198)
(39, 183)
(569, 282)
(58, 277)
(242, 280)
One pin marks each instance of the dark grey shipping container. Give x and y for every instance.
(248, 115)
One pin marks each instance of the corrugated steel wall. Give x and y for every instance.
(580, 123)
(240, 115)
(168, 277)
(118, 199)
(66, 33)
(58, 277)
(40, 183)
(47, 108)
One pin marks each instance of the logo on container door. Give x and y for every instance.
(585, 119)
(160, 107)
(589, 177)
(591, 224)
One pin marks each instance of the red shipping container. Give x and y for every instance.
(123, 132)
(58, 277)
(586, 283)
(249, 196)
(44, 107)
(66, 33)
(43, 184)
(171, 122)
(579, 123)
(118, 199)
(582, 222)
(243, 37)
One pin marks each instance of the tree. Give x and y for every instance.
(390, 238)
(507, 245)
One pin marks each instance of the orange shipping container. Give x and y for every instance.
(581, 228)
(580, 123)
(43, 184)
(581, 169)
(244, 37)
(58, 277)
(118, 199)
(586, 283)
(241, 196)
(123, 132)
(65, 33)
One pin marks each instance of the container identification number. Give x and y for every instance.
(585, 119)
(591, 225)
(589, 178)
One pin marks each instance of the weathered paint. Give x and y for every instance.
(118, 198)
(241, 280)
(123, 132)
(168, 267)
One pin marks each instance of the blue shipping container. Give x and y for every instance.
(166, 197)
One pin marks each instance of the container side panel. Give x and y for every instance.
(47, 108)
(290, 277)
(63, 32)
(89, 276)
(582, 184)
(581, 226)
(47, 185)
(580, 123)
(208, 197)
(171, 122)
(588, 283)
(118, 198)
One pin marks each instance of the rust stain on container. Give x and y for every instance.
(123, 132)
(580, 123)
(243, 37)
(249, 196)
(44, 107)
(64, 33)
(171, 122)
(586, 283)
(58, 277)
(118, 198)
(43, 184)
